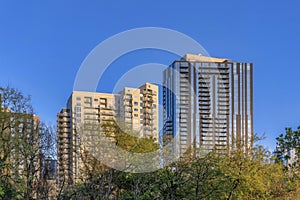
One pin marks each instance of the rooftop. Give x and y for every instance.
(201, 58)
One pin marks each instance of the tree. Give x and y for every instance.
(288, 143)
(20, 146)
(48, 147)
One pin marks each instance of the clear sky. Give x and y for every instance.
(43, 43)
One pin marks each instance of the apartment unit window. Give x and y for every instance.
(136, 103)
(102, 100)
(87, 99)
(136, 109)
(136, 115)
(77, 109)
(78, 98)
(95, 99)
(135, 126)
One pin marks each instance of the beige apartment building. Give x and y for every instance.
(134, 109)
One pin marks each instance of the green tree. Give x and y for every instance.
(288, 142)
(20, 147)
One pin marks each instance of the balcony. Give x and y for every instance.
(205, 108)
(147, 106)
(204, 103)
(205, 112)
(108, 119)
(204, 95)
(149, 92)
(148, 117)
(148, 112)
(107, 108)
(127, 97)
(128, 116)
(148, 100)
(107, 114)
(204, 99)
(223, 87)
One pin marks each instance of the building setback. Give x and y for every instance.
(208, 105)
(134, 108)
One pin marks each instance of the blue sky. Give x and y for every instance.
(43, 43)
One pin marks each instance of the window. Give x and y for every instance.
(87, 99)
(136, 103)
(136, 109)
(95, 99)
(154, 106)
(77, 109)
(78, 98)
(102, 100)
(136, 115)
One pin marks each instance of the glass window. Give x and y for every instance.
(102, 100)
(77, 109)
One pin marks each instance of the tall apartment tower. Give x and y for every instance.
(64, 140)
(134, 108)
(208, 105)
(138, 108)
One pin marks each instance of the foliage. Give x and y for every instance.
(239, 175)
(20, 149)
(211, 176)
(290, 141)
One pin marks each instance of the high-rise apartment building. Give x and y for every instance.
(135, 109)
(208, 104)
(139, 109)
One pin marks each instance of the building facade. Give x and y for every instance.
(208, 105)
(134, 109)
